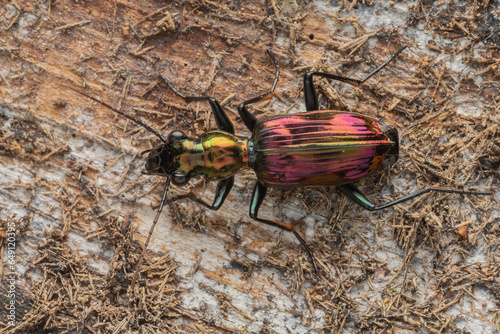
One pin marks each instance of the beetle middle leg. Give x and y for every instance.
(310, 95)
(258, 195)
(248, 118)
(359, 198)
(223, 122)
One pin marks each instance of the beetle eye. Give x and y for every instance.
(176, 136)
(179, 179)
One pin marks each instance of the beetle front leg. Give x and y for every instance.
(359, 198)
(223, 189)
(223, 122)
(259, 192)
(310, 95)
(248, 118)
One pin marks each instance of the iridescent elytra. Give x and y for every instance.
(311, 149)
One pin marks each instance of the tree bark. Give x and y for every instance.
(71, 182)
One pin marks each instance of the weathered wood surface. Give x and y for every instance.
(70, 171)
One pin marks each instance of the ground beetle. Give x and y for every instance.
(316, 148)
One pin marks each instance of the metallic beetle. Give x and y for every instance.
(311, 149)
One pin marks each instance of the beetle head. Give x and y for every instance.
(177, 158)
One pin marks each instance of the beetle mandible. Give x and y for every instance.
(311, 149)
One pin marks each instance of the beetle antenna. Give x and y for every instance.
(147, 127)
(162, 203)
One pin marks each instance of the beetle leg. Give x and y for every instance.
(258, 195)
(310, 95)
(223, 189)
(359, 198)
(223, 122)
(248, 118)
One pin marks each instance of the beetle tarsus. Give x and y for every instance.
(375, 71)
(359, 198)
(310, 95)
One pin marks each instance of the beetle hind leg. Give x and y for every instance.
(310, 95)
(359, 198)
(258, 195)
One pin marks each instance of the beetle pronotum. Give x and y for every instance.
(315, 148)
